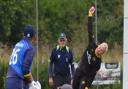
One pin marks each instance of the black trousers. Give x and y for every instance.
(81, 80)
(16, 83)
(60, 80)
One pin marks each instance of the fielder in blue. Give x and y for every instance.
(19, 69)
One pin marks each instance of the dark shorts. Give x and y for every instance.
(81, 80)
(60, 80)
(16, 83)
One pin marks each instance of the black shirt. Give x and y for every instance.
(90, 63)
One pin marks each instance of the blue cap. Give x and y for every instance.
(29, 31)
(62, 36)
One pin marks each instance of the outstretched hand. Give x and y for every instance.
(91, 11)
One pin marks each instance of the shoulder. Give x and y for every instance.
(68, 49)
(54, 50)
(25, 43)
(29, 47)
(30, 51)
(92, 45)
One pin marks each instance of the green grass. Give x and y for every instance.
(113, 86)
(43, 56)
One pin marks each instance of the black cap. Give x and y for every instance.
(62, 36)
(29, 31)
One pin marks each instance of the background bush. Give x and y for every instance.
(55, 16)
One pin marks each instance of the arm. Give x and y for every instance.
(27, 65)
(71, 65)
(50, 67)
(90, 25)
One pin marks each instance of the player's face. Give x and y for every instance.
(101, 49)
(62, 42)
(34, 39)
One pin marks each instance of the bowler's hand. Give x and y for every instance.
(91, 11)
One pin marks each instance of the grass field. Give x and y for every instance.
(113, 55)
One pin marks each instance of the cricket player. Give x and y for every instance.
(19, 70)
(91, 59)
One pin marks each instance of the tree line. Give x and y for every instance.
(55, 16)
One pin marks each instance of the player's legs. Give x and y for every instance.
(86, 82)
(58, 81)
(15, 83)
(76, 79)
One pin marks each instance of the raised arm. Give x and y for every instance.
(71, 65)
(90, 25)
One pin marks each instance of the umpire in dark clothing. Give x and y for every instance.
(91, 60)
(62, 60)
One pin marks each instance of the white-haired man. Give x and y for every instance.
(91, 59)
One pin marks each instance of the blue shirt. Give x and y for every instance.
(62, 59)
(21, 59)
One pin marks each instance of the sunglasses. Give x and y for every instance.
(62, 40)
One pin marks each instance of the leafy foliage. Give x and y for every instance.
(55, 16)
(13, 15)
(110, 21)
(69, 16)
